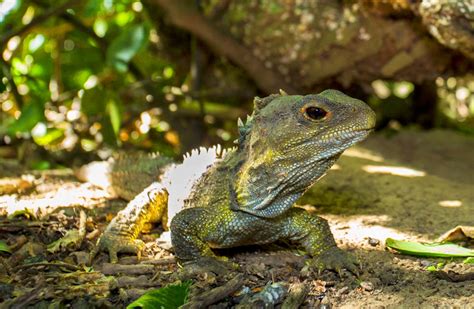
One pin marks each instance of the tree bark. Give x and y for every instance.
(310, 45)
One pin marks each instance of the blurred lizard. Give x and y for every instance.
(245, 195)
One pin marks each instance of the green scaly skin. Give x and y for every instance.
(247, 197)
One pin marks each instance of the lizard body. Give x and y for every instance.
(243, 196)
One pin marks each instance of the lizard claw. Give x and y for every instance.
(210, 265)
(337, 260)
(115, 244)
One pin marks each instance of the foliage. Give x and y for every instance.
(88, 78)
(4, 247)
(469, 260)
(99, 75)
(169, 297)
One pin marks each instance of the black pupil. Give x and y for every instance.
(315, 113)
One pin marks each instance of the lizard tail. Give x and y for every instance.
(125, 175)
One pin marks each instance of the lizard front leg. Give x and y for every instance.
(193, 233)
(121, 234)
(313, 233)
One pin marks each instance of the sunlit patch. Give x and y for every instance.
(64, 197)
(358, 153)
(357, 229)
(393, 170)
(450, 204)
(336, 167)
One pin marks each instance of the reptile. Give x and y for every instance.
(242, 196)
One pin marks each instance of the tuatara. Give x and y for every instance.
(245, 195)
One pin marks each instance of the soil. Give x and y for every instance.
(409, 185)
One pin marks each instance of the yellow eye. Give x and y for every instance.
(315, 113)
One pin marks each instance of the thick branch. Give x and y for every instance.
(184, 15)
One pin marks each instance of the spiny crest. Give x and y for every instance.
(260, 103)
(134, 156)
(244, 128)
(214, 152)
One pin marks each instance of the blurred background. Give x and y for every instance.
(80, 79)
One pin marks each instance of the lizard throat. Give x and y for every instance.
(270, 190)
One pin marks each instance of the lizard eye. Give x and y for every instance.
(315, 113)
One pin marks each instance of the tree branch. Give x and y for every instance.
(184, 15)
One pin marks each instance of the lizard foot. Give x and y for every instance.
(115, 244)
(335, 259)
(206, 265)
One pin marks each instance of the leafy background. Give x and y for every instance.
(97, 76)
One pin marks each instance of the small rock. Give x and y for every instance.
(367, 286)
(388, 278)
(373, 242)
(81, 257)
(425, 263)
(342, 291)
(325, 303)
(6, 291)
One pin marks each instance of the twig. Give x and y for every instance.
(5, 266)
(53, 264)
(454, 277)
(136, 282)
(82, 223)
(215, 295)
(162, 261)
(29, 298)
(38, 20)
(140, 269)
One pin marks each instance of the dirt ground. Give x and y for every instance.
(411, 185)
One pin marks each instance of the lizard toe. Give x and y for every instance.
(337, 260)
(209, 265)
(114, 244)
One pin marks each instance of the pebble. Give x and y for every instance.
(366, 285)
(425, 263)
(373, 242)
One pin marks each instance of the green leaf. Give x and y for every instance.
(50, 137)
(169, 297)
(93, 101)
(27, 213)
(31, 114)
(88, 144)
(113, 111)
(469, 260)
(124, 47)
(436, 267)
(72, 239)
(108, 132)
(4, 247)
(92, 8)
(430, 250)
(40, 165)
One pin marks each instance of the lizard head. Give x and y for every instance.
(290, 141)
(315, 126)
